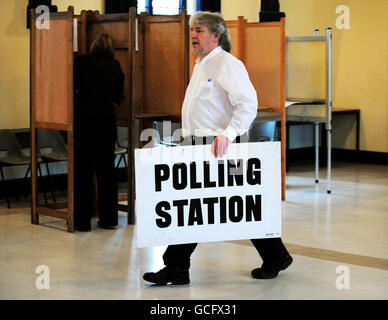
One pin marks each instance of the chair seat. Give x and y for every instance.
(264, 138)
(11, 154)
(169, 143)
(120, 150)
(15, 161)
(54, 156)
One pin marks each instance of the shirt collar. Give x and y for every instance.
(213, 53)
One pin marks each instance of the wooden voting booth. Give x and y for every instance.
(152, 51)
(155, 56)
(52, 99)
(261, 47)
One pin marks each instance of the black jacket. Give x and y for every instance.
(98, 85)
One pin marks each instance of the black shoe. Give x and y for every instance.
(106, 226)
(270, 273)
(168, 275)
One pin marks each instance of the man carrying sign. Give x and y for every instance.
(220, 104)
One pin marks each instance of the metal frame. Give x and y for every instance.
(312, 103)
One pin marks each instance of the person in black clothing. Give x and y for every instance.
(98, 86)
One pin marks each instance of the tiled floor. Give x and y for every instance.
(329, 236)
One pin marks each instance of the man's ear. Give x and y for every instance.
(216, 37)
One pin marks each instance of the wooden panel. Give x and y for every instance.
(235, 32)
(264, 58)
(192, 57)
(264, 63)
(51, 73)
(122, 112)
(192, 61)
(51, 64)
(164, 65)
(81, 28)
(119, 28)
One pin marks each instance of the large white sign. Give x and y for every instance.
(185, 194)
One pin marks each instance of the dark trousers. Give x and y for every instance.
(272, 250)
(94, 146)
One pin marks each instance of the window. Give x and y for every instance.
(141, 6)
(166, 7)
(162, 7)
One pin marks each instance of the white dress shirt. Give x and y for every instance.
(220, 98)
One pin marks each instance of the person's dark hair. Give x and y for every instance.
(102, 46)
(216, 24)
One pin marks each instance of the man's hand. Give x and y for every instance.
(219, 145)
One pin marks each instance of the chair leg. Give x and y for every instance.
(44, 187)
(25, 177)
(5, 189)
(28, 171)
(122, 157)
(118, 163)
(49, 177)
(125, 161)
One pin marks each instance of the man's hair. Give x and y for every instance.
(216, 24)
(102, 46)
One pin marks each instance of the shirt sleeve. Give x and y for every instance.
(234, 79)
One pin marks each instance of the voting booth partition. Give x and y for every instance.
(156, 59)
(121, 27)
(152, 51)
(261, 47)
(52, 100)
(53, 50)
(160, 78)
